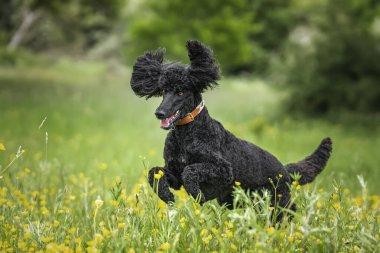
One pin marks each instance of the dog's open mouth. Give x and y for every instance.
(169, 121)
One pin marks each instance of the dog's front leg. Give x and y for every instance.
(163, 183)
(195, 174)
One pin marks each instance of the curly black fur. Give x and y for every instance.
(150, 76)
(146, 74)
(204, 72)
(203, 156)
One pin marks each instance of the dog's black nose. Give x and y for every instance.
(160, 114)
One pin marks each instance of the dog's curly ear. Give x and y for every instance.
(146, 73)
(203, 70)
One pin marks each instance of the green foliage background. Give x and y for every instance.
(242, 33)
(339, 70)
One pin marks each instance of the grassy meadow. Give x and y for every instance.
(76, 143)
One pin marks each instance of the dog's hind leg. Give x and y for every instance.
(163, 183)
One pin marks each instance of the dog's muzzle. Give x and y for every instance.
(168, 122)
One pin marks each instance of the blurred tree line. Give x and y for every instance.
(324, 51)
(67, 25)
(241, 32)
(336, 66)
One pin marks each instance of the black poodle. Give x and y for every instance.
(200, 153)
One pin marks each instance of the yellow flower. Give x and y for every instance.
(45, 211)
(2, 147)
(237, 183)
(103, 166)
(105, 232)
(298, 187)
(204, 232)
(233, 247)
(182, 222)
(336, 205)
(207, 239)
(158, 175)
(91, 243)
(165, 246)
(228, 224)
(271, 230)
(152, 152)
(21, 245)
(56, 223)
(46, 239)
(114, 202)
(121, 225)
(116, 181)
(99, 238)
(131, 250)
(229, 234)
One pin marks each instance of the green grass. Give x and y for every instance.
(98, 130)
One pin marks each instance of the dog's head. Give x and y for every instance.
(180, 85)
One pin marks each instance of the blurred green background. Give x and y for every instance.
(294, 71)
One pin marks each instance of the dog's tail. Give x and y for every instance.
(312, 165)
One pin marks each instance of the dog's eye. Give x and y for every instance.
(179, 93)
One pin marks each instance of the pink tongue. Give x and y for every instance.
(165, 122)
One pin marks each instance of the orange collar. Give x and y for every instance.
(191, 116)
